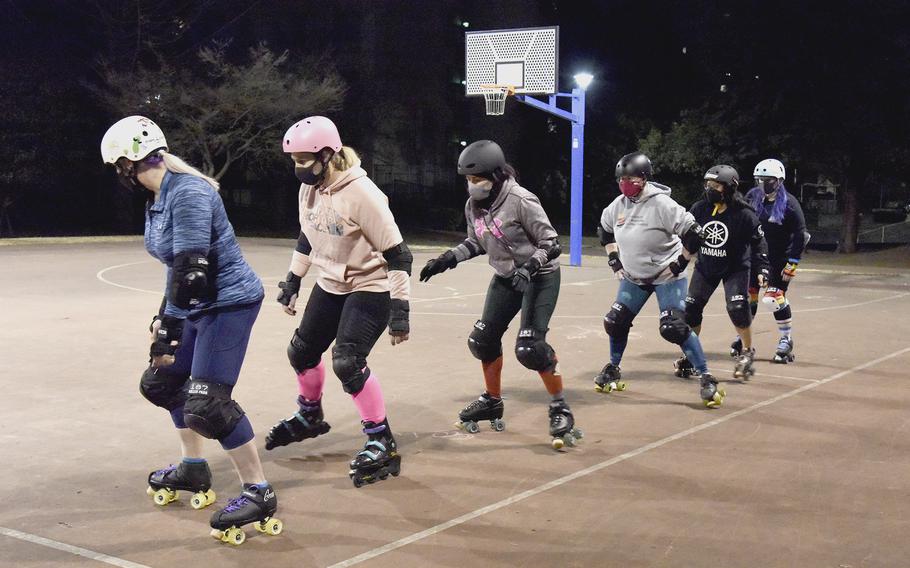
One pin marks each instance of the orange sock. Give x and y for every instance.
(553, 381)
(492, 375)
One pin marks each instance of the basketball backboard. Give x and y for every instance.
(526, 58)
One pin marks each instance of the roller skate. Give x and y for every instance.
(743, 369)
(784, 353)
(683, 368)
(736, 348)
(609, 379)
(196, 477)
(306, 423)
(562, 425)
(379, 456)
(484, 408)
(254, 505)
(711, 394)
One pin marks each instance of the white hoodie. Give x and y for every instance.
(648, 231)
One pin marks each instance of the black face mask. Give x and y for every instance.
(714, 196)
(313, 174)
(769, 186)
(127, 178)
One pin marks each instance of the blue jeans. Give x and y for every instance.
(212, 349)
(670, 294)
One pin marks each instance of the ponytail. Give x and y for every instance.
(178, 166)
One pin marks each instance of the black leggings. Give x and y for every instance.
(536, 306)
(736, 291)
(354, 321)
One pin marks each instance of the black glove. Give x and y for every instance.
(614, 261)
(399, 320)
(679, 265)
(521, 278)
(289, 288)
(439, 264)
(171, 330)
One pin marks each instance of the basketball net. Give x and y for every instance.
(495, 97)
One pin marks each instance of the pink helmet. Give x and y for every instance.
(312, 134)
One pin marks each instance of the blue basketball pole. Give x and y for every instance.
(577, 118)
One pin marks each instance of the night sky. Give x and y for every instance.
(821, 85)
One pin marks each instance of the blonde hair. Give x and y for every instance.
(343, 160)
(178, 166)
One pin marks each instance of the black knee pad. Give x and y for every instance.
(784, 313)
(673, 326)
(484, 343)
(739, 312)
(533, 351)
(618, 321)
(209, 410)
(695, 310)
(349, 367)
(163, 388)
(301, 355)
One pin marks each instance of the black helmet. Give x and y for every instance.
(725, 175)
(482, 158)
(635, 164)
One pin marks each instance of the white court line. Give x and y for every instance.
(602, 465)
(84, 552)
(100, 276)
(757, 374)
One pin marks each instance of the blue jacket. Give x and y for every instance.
(189, 216)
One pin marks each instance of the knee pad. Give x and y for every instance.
(784, 314)
(484, 343)
(301, 355)
(209, 410)
(533, 351)
(349, 367)
(673, 326)
(739, 312)
(163, 388)
(618, 321)
(695, 310)
(774, 299)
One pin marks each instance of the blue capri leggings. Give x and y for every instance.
(670, 294)
(213, 348)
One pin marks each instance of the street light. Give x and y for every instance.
(583, 80)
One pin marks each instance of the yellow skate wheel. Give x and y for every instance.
(598, 388)
(164, 496)
(717, 399)
(620, 386)
(271, 526)
(201, 500)
(558, 443)
(234, 536)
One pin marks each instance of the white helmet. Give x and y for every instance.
(133, 137)
(770, 168)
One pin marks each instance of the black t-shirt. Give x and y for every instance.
(731, 239)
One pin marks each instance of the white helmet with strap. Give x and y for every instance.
(134, 138)
(770, 168)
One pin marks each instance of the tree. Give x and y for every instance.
(219, 113)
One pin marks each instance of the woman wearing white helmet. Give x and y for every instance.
(785, 232)
(348, 231)
(202, 329)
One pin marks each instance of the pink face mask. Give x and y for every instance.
(629, 188)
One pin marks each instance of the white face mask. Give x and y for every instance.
(480, 191)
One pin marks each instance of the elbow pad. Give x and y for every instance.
(692, 239)
(190, 281)
(399, 257)
(606, 237)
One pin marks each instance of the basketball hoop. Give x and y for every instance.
(495, 97)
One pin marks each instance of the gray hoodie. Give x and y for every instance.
(647, 231)
(514, 229)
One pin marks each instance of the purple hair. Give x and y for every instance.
(778, 210)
